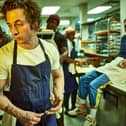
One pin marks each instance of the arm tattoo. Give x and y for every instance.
(9, 109)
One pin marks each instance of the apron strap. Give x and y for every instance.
(15, 53)
(43, 49)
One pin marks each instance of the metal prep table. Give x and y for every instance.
(112, 107)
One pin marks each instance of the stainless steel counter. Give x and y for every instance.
(112, 107)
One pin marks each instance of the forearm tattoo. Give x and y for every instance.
(9, 109)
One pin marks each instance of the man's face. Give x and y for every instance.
(52, 24)
(71, 36)
(19, 26)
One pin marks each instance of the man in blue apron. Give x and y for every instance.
(26, 65)
(71, 84)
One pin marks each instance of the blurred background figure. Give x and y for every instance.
(53, 23)
(69, 63)
(123, 41)
(61, 43)
(124, 25)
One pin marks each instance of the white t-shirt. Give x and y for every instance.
(71, 66)
(70, 46)
(26, 57)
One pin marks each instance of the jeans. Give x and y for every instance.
(89, 84)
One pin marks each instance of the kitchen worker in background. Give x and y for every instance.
(53, 22)
(114, 71)
(124, 21)
(69, 62)
(26, 65)
(123, 41)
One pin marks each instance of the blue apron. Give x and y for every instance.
(30, 88)
(70, 80)
(122, 52)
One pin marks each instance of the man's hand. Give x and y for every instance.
(28, 118)
(56, 103)
(80, 62)
(122, 64)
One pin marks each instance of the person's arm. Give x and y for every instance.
(122, 64)
(58, 89)
(58, 83)
(65, 58)
(25, 117)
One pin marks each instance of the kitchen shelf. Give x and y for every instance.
(108, 36)
(88, 41)
(106, 32)
(103, 39)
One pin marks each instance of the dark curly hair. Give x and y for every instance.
(31, 10)
(54, 17)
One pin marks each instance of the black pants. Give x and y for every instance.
(73, 99)
(60, 121)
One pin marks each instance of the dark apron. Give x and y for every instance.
(70, 80)
(122, 52)
(30, 88)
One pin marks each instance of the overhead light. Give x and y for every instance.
(64, 22)
(99, 9)
(93, 19)
(49, 10)
(90, 19)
